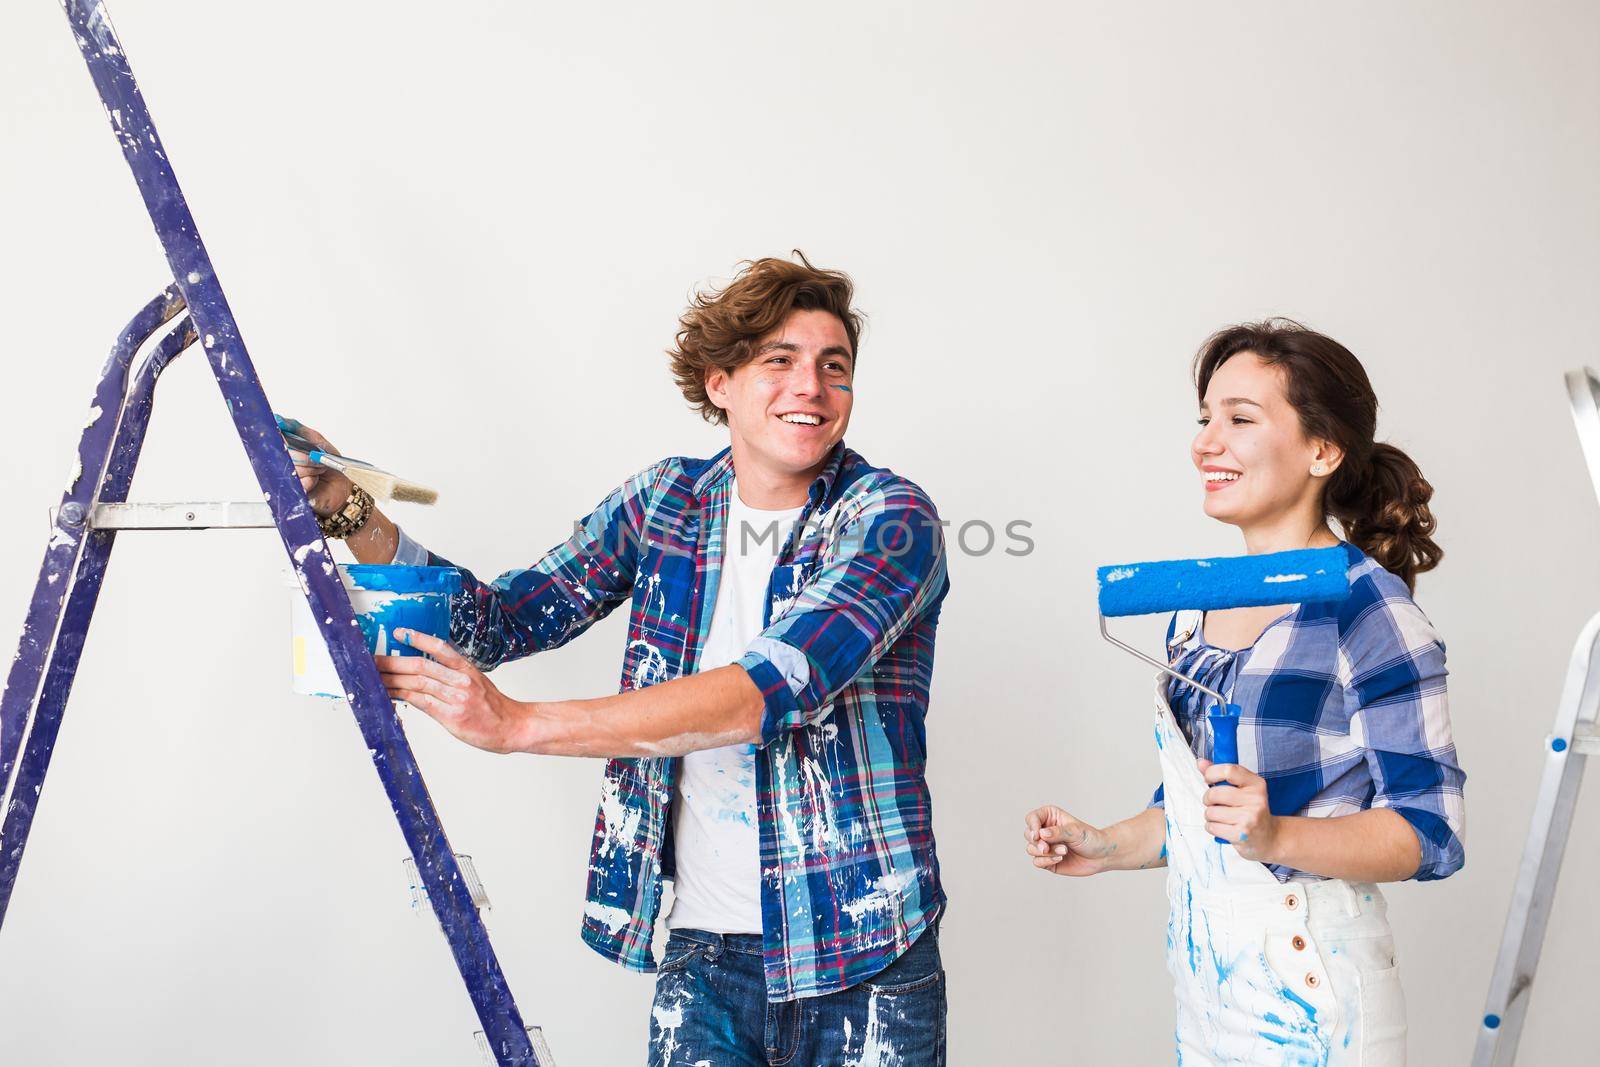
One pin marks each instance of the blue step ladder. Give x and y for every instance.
(94, 507)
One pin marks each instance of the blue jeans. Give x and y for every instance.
(711, 1008)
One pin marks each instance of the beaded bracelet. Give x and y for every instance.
(350, 518)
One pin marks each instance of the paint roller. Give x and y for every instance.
(1303, 576)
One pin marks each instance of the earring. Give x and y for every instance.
(1318, 470)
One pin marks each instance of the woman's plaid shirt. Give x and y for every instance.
(1343, 708)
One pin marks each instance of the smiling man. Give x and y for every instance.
(768, 747)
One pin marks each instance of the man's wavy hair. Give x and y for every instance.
(720, 328)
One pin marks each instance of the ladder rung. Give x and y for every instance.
(541, 1049)
(207, 515)
(1586, 741)
(469, 874)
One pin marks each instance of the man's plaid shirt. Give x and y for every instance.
(849, 877)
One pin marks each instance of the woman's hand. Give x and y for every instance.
(326, 488)
(1062, 844)
(454, 693)
(1238, 812)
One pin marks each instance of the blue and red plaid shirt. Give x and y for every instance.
(849, 876)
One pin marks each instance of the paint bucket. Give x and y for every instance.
(416, 598)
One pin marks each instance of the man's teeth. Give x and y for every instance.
(1221, 476)
(803, 420)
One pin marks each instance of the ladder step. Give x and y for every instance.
(1586, 741)
(541, 1050)
(204, 515)
(469, 874)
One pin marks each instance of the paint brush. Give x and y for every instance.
(380, 483)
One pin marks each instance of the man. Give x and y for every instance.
(767, 749)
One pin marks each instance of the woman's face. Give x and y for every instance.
(1254, 460)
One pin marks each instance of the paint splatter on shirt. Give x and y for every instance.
(849, 875)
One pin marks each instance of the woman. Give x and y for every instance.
(1278, 942)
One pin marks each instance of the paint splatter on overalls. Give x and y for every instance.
(1292, 974)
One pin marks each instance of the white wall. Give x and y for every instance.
(456, 240)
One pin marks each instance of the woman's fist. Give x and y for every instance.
(1062, 844)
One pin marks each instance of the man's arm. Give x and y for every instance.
(890, 569)
(327, 491)
(376, 541)
(707, 710)
(887, 573)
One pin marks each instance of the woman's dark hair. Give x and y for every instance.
(1378, 494)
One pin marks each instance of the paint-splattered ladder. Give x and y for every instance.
(1575, 737)
(94, 507)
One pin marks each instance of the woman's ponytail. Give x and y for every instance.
(1383, 507)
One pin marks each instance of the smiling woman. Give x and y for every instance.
(1346, 774)
(1276, 400)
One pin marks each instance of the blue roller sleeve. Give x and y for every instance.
(1224, 739)
(1305, 576)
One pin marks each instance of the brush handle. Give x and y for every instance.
(328, 459)
(290, 428)
(316, 455)
(1224, 739)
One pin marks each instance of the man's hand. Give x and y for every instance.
(1238, 812)
(326, 488)
(1062, 844)
(454, 693)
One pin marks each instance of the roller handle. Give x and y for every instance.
(1224, 739)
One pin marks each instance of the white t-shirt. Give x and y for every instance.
(718, 886)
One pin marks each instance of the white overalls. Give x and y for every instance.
(1300, 973)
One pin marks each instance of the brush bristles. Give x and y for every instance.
(412, 493)
(384, 486)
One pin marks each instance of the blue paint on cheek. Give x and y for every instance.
(844, 388)
(1244, 837)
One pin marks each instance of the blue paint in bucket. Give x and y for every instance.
(419, 600)
(384, 598)
(380, 577)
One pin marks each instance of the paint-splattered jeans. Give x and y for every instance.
(711, 1009)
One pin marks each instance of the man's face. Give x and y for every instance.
(790, 404)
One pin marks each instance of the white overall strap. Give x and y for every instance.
(1252, 981)
(1190, 849)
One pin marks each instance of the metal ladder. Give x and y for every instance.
(94, 508)
(1572, 740)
